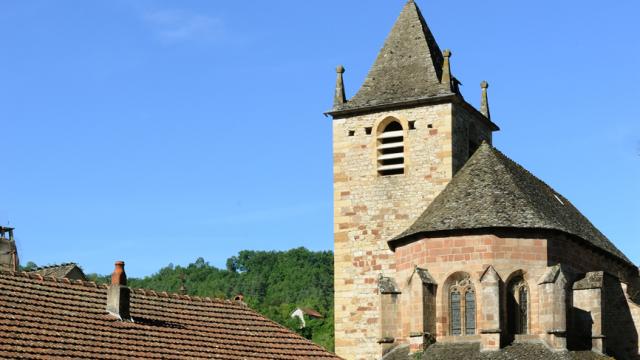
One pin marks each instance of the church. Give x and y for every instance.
(443, 242)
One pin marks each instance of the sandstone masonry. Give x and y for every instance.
(439, 237)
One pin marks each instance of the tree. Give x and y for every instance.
(29, 266)
(273, 283)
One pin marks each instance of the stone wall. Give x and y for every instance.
(8, 255)
(598, 317)
(468, 129)
(472, 254)
(582, 258)
(370, 209)
(621, 323)
(633, 304)
(620, 315)
(586, 318)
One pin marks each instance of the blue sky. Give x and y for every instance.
(161, 131)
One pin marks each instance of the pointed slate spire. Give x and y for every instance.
(484, 103)
(339, 97)
(408, 67)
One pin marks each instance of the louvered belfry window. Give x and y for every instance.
(391, 149)
(462, 308)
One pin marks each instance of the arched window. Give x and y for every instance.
(391, 149)
(462, 307)
(456, 318)
(518, 305)
(470, 312)
(522, 295)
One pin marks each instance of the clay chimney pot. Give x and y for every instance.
(118, 294)
(119, 277)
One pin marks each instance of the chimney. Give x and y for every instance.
(183, 287)
(8, 250)
(239, 298)
(118, 293)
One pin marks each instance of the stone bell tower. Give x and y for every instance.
(396, 144)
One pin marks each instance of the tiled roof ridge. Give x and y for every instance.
(44, 267)
(137, 291)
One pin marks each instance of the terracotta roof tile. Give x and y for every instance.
(67, 270)
(44, 318)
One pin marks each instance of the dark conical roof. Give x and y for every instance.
(408, 67)
(492, 191)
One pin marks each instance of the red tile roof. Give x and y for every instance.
(44, 317)
(69, 270)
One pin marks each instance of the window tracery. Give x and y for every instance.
(518, 305)
(462, 307)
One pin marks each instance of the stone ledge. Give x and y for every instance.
(386, 340)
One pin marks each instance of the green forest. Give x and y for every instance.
(273, 283)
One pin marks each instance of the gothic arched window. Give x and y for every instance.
(456, 319)
(391, 149)
(470, 313)
(462, 307)
(518, 305)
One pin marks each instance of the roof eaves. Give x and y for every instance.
(345, 110)
(409, 237)
(362, 109)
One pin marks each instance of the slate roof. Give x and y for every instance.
(492, 191)
(44, 317)
(408, 67)
(58, 271)
(520, 351)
